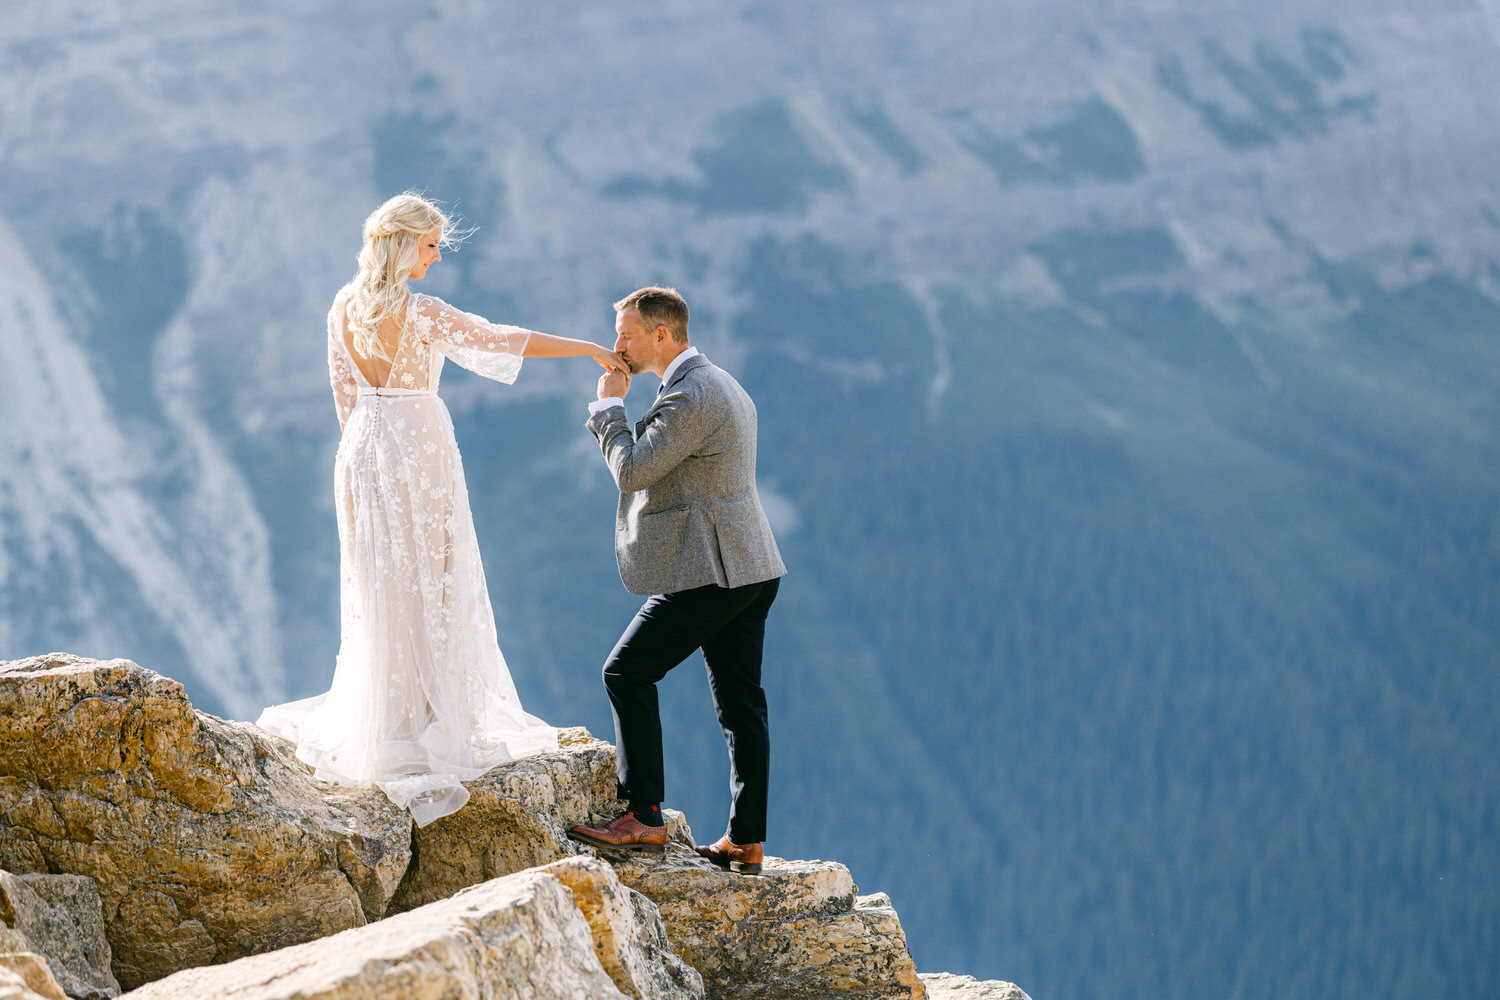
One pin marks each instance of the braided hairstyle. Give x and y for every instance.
(393, 235)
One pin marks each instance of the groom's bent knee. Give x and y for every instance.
(623, 668)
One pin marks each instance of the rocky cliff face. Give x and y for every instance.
(191, 827)
(522, 935)
(191, 842)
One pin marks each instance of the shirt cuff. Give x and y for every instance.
(603, 404)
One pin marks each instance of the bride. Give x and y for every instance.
(421, 698)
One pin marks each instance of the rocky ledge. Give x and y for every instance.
(800, 930)
(148, 840)
(527, 934)
(192, 828)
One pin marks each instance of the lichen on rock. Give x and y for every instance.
(522, 935)
(206, 838)
(629, 936)
(206, 842)
(797, 930)
(59, 917)
(516, 818)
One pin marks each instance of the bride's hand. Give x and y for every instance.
(610, 361)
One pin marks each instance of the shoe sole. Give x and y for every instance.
(607, 846)
(742, 867)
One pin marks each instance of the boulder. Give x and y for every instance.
(59, 916)
(522, 935)
(798, 930)
(206, 838)
(517, 817)
(25, 975)
(947, 986)
(629, 936)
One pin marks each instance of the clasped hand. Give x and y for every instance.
(616, 378)
(615, 382)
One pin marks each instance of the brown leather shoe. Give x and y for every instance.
(624, 833)
(742, 858)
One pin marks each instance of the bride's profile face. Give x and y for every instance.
(428, 253)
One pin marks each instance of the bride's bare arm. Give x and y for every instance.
(545, 345)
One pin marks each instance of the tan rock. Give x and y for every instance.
(629, 936)
(947, 986)
(59, 916)
(209, 842)
(798, 930)
(207, 839)
(32, 973)
(516, 818)
(518, 936)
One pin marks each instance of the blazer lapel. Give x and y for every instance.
(697, 361)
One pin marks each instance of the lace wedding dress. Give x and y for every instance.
(421, 698)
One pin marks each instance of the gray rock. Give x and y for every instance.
(629, 936)
(522, 935)
(516, 818)
(947, 986)
(59, 916)
(798, 930)
(207, 839)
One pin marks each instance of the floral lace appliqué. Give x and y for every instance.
(422, 699)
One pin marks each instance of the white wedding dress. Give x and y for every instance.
(421, 698)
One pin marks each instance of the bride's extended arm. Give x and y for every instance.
(545, 345)
(466, 331)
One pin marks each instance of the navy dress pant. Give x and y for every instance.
(729, 625)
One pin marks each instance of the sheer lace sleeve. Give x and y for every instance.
(489, 349)
(340, 370)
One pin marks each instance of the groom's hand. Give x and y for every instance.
(614, 383)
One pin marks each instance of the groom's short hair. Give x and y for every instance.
(659, 307)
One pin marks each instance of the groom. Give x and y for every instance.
(690, 535)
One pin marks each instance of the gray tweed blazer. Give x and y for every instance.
(689, 513)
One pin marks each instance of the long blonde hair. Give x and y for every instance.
(393, 236)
